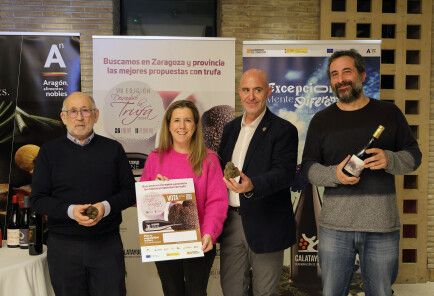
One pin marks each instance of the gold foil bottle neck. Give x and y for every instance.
(378, 132)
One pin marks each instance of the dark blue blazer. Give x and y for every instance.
(271, 158)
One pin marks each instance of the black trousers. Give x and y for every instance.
(86, 267)
(186, 277)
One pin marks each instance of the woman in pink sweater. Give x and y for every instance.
(181, 153)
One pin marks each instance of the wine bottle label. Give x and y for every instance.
(13, 237)
(32, 235)
(354, 166)
(24, 237)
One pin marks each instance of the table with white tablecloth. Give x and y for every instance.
(22, 274)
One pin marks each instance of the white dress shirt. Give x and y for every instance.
(240, 150)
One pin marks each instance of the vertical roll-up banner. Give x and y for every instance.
(134, 80)
(38, 71)
(297, 72)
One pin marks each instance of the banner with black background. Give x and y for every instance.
(38, 71)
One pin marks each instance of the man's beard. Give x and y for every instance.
(348, 96)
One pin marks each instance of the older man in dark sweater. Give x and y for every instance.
(85, 255)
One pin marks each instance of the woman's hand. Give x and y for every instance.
(161, 178)
(206, 243)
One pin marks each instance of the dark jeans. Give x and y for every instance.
(378, 253)
(86, 267)
(186, 277)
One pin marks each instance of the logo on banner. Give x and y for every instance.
(312, 96)
(54, 58)
(255, 50)
(53, 84)
(307, 254)
(307, 244)
(296, 50)
(133, 253)
(133, 111)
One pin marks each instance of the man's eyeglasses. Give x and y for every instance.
(73, 113)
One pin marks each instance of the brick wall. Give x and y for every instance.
(90, 17)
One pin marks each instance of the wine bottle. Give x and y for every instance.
(355, 164)
(35, 233)
(13, 227)
(24, 224)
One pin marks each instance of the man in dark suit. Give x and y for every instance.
(260, 223)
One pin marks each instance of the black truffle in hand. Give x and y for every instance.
(91, 212)
(231, 171)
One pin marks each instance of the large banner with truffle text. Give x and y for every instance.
(297, 72)
(38, 71)
(135, 79)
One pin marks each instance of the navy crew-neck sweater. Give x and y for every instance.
(66, 173)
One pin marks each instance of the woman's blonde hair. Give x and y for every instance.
(197, 149)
